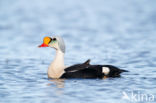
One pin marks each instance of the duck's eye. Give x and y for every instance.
(54, 39)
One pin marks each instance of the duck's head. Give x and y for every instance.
(55, 42)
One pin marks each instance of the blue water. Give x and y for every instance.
(116, 32)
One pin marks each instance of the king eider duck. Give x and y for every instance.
(57, 69)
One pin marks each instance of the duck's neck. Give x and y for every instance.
(56, 68)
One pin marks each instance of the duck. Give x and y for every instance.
(57, 68)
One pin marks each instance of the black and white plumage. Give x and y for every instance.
(85, 70)
(57, 69)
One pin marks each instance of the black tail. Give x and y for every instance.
(124, 70)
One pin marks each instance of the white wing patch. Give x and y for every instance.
(105, 70)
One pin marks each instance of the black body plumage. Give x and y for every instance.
(85, 70)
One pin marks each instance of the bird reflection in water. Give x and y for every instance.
(59, 83)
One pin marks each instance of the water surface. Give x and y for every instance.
(120, 33)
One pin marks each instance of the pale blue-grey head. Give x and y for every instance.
(57, 42)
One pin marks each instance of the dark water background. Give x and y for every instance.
(117, 32)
